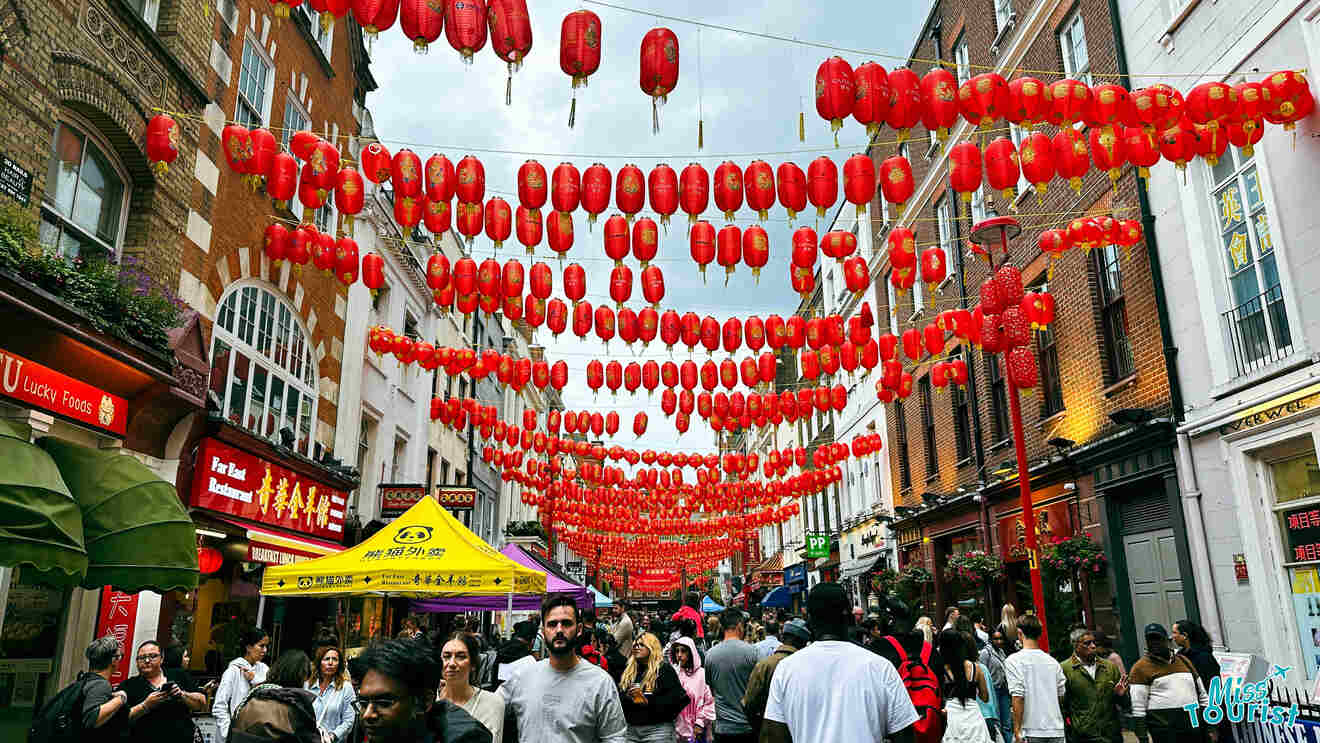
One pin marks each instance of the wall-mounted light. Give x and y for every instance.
(1060, 442)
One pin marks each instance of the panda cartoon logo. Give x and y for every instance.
(412, 535)
(304, 582)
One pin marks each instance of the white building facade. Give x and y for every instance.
(1242, 277)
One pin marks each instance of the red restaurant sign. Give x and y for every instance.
(395, 499)
(1052, 520)
(118, 617)
(33, 384)
(457, 499)
(232, 481)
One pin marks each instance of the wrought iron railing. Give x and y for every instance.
(1258, 331)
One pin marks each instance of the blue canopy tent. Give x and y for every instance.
(708, 605)
(779, 598)
(602, 601)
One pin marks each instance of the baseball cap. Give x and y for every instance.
(1154, 629)
(798, 629)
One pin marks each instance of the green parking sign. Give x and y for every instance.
(818, 545)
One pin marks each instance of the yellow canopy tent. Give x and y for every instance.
(425, 553)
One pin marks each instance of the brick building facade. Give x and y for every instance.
(1091, 466)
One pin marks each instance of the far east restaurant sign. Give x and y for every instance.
(232, 481)
(32, 384)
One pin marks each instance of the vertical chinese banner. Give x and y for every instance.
(117, 617)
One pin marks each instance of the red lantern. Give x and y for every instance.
(437, 271)
(595, 191)
(488, 280)
(375, 15)
(533, 310)
(465, 27)
(653, 286)
(1212, 104)
(710, 333)
(1028, 101)
(836, 93)
(701, 241)
(406, 174)
(804, 247)
(645, 240)
(209, 560)
(859, 181)
(373, 272)
(933, 268)
(1053, 243)
(662, 187)
(422, 22)
(630, 191)
(984, 99)
(556, 316)
(905, 101)
(277, 242)
(694, 191)
(939, 102)
(527, 225)
(575, 282)
(756, 249)
(616, 239)
(759, 181)
(871, 97)
(565, 187)
(621, 280)
(731, 334)
(1246, 134)
(1289, 99)
(282, 183)
(1157, 107)
(1021, 365)
(1210, 144)
(912, 344)
(579, 50)
(346, 260)
(512, 279)
(471, 186)
(1069, 101)
(902, 279)
(822, 184)
(1001, 167)
(162, 143)
(1108, 151)
(728, 249)
(1111, 108)
(1084, 233)
(792, 188)
(1036, 156)
(838, 244)
(1178, 143)
(728, 189)
(559, 232)
(377, 164)
(628, 325)
(1142, 149)
(965, 169)
(510, 36)
(896, 181)
(499, 221)
(659, 68)
(1071, 157)
(582, 320)
(236, 142)
(856, 275)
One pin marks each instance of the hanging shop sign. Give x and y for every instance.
(457, 499)
(396, 498)
(15, 180)
(232, 481)
(32, 384)
(118, 617)
(1274, 410)
(818, 545)
(751, 551)
(1052, 520)
(795, 577)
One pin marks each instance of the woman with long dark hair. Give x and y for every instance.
(963, 685)
(279, 709)
(458, 663)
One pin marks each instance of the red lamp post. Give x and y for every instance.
(987, 232)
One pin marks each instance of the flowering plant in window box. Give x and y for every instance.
(975, 567)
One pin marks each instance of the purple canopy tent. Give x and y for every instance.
(555, 582)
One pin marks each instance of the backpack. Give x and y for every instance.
(60, 719)
(274, 713)
(924, 688)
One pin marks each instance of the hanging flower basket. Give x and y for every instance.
(883, 581)
(1078, 556)
(914, 579)
(975, 568)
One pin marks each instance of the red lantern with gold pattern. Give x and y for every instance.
(965, 169)
(510, 36)
(559, 232)
(694, 191)
(406, 174)
(662, 188)
(1083, 233)
(759, 182)
(1001, 167)
(802, 280)
(856, 275)
(754, 331)
(346, 260)
(939, 102)
(1178, 143)
(1028, 101)
(621, 281)
(579, 50)
(710, 333)
(728, 249)
(792, 188)
(408, 212)
(236, 142)
(905, 101)
(1036, 157)
(701, 243)
(1245, 135)
(731, 334)
(527, 225)
(531, 185)
(582, 315)
(1020, 363)
(1107, 150)
(541, 280)
(902, 248)
(984, 99)
(440, 178)
(373, 272)
(616, 238)
(871, 97)
(595, 191)
(836, 93)
(276, 242)
(1142, 149)
(728, 189)
(1210, 144)
(1157, 107)
(437, 271)
(903, 279)
(755, 249)
(859, 181)
(653, 285)
(556, 316)
(1071, 157)
(659, 68)
(282, 182)
(422, 22)
(630, 191)
(1069, 101)
(471, 186)
(488, 279)
(822, 184)
(377, 165)
(565, 187)
(575, 283)
(645, 240)
(534, 309)
(465, 27)
(933, 267)
(162, 143)
(804, 247)
(838, 244)
(1111, 108)
(499, 221)
(511, 279)
(1289, 99)
(375, 15)
(896, 183)
(1053, 243)
(1212, 104)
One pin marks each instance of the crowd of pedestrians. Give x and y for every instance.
(831, 677)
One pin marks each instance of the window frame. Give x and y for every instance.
(149, 12)
(928, 427)
(1002, 20)
(900, 437)
(90, 135)
(962, 59)
(944, 216)
(265, 335)
(1116, 349)
(241, 103)
(1017, 134)
(1047, 361)
(324, 38)
(999, 414)
(960, 402)
(892, 295)
(1068, 51)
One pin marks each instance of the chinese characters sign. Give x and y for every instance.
(1052, 521)
(235, 482)
(118, 617)
(33, 384)
(1301, 528)
(457, 499)
(395, 499)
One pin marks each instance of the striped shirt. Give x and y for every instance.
(1160, 689)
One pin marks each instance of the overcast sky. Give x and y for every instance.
(751, 92)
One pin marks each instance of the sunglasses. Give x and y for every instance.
(382, 703)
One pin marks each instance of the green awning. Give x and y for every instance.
(40, 524)
(137, 533)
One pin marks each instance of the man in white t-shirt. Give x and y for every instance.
(833, 691)
(1037, 685)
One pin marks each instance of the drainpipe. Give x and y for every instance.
(1189, 485)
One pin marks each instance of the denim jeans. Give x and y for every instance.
(1005, 714)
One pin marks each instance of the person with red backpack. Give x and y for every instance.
(916, 661)
(833, 691)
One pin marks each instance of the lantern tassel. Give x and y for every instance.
(802, 127)
(572, 109)
(655, 116)
(508, 87)
(701, 135)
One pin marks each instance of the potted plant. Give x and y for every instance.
(1076, 558)
(975, 568)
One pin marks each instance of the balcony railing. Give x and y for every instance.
(1258, 331)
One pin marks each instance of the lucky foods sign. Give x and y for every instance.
(33, 384)
(235, 482)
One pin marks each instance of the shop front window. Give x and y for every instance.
(1296, 483)
(261, 366)
(33, 618)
